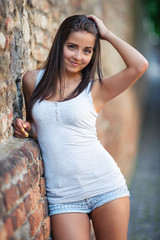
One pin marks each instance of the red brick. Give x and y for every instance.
(42, 186)
(24, 185)
(35, 219)
(7, 178)
(27, 153)
(39, 235)
(9, 227)
(16, 170)
(35, 197)
(7, 42)
(34, 150)
(2, 206)
(40, 209)
(9, 24)
(27, 204)
(18, 216)
(11, 195)
(33, 172)
(20, 163)
(41, 167)
(10, 116)
(19, 168)
(46, 227)
(24, 162)
(45, 207)
(3, 232)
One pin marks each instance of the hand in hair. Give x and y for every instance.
(103, 31)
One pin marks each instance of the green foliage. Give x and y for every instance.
(153, 10)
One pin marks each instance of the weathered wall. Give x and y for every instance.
(23, 206)
(27, 28)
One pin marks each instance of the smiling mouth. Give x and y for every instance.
(74, 63)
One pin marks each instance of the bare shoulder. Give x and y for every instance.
(29, 80)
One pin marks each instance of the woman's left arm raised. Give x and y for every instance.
(136, 65)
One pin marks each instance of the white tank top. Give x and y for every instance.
(76, 164)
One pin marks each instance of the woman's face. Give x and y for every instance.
(78, 51)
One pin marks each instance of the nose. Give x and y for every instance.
(78, 55)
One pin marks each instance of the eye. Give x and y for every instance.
(87, 51)
(71, 47)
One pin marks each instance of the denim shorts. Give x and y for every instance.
(89, 204)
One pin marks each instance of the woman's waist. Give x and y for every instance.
(78, 156)
(52, 139)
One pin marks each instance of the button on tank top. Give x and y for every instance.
(76, 165)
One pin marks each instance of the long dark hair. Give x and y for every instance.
(54, 64)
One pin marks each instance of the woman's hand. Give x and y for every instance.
(103, 31)
(21, 128)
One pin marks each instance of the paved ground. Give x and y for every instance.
(145, 188)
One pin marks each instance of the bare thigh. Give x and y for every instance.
(110, 221)
(70, 226)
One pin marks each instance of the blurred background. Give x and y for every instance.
(128, 126)
(145, 190)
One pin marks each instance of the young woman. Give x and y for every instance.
(63, 100)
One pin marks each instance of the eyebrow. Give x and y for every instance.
(77, 45)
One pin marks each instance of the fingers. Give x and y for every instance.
(19, 128)
(19, 134)
(89, 16)
(26, 134)
(27, 126)
(93, 17)
(103, 30)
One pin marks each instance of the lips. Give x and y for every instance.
(74, 63)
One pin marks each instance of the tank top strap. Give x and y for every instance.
(88, 89)
(39, 77)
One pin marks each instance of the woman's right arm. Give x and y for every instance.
(26, 128)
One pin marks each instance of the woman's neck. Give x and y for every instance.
(71, 77)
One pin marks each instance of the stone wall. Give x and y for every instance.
(23, 206)
(27, 28)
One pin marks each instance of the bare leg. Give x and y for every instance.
(70, 226)
(110, 221)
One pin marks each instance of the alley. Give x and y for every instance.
(145, 187)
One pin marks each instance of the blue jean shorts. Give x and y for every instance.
(89, 204)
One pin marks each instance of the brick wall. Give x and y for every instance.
(23, 206)
(27, 28)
